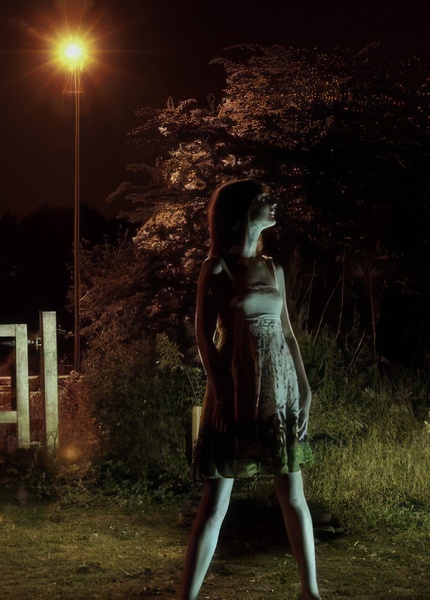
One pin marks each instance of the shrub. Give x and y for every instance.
(143, 394)
(71, 469)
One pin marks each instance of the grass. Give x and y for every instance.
(371, 439)
(94, 550)
(369, 427)
(370, 432)
(373, 483)
(99, 549)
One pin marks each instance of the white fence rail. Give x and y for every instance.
(20, 416)
(49, 380)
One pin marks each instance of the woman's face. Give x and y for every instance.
(262, 211)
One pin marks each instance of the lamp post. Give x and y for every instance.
(74, 56)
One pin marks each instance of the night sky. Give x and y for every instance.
(146, 51)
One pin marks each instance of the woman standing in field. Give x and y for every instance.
(257, 400)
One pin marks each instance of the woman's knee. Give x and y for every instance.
(289, 489)
(216, 499)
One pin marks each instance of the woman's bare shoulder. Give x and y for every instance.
(212, 266)
(209, 275)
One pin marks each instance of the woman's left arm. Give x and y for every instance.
(304, 387)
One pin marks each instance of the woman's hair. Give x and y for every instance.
(228, 214)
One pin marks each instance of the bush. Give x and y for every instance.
(143, 394)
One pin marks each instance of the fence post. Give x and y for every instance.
(195, 423)
(22, 391)
(50, 376)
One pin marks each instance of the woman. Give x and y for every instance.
(257, 399)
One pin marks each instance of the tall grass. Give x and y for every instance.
(369, 427)
(371, 438)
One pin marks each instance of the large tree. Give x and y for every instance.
(343, 141)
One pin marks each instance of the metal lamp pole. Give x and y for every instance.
(74, 55)
(76, 229)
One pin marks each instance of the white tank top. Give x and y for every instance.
(256, 300)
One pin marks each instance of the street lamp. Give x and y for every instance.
(73, 54)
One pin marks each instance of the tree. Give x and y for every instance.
(343, 141)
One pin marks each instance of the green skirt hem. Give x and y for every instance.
(245, 468)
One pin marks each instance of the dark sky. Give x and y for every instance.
(146, 51)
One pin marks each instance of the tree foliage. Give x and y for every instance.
(343, 141)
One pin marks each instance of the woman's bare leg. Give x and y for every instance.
(204, 534)
(298, 523)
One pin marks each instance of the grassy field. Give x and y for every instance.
(370, 434)
(93, 548)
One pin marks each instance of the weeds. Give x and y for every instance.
(370, 439)
(126, 432)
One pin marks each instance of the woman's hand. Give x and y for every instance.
(219, 422)
(219, 411)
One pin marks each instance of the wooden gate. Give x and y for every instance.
(48, 384)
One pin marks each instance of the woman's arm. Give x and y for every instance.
(206, 319)
(304, 387)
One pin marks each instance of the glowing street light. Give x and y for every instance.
(73, 54)
(73, 51)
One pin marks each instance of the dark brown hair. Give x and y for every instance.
(228, 213)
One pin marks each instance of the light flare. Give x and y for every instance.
(73, 51)
(71, 452)
(74, 54)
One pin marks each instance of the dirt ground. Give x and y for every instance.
(95, 549)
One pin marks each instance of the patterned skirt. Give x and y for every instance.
(262, 436)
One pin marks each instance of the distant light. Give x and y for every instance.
(73, 53)
(71, 452)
